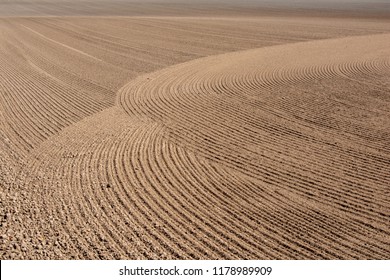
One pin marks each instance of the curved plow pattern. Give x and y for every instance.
(291, 118)
(272, 153)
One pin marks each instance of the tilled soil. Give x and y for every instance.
(188, 137)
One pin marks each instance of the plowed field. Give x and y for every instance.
(182, 135)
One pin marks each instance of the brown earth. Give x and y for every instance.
(177, 134)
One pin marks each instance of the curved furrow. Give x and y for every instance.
(270, 146)
(157, 194)
(84, 186)
(100, 198)
(253, 223)
(159, 183)
(45, 80)
(148, 204)
(207, 106)
(43, 117)
(86, 195)
(338, 240)
(21, 113)
(372, 73)
(278, 152)
(248, 137)
(216, 186)
(199, 118)
(108, 222)
(75, 240)
(32, 121)
(32, 48)
(324, 191)
(86, 204)
(332, 244)
(307, 187)
(117, 52)
(185, 193)
(215, 191)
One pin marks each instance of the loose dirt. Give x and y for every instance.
(169, 136)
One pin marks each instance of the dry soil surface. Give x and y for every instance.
(237, 136)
